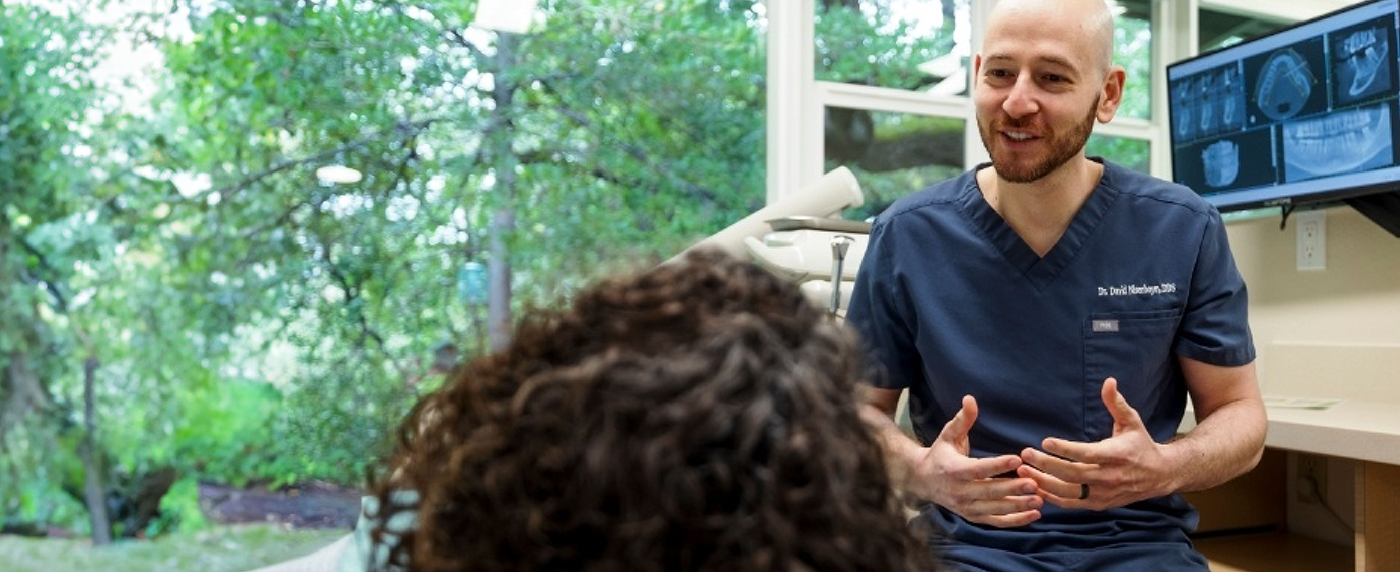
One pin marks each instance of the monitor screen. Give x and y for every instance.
(1306, 114)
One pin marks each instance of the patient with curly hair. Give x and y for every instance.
(697, 416)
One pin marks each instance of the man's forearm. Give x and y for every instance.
(1222, 446)
(899, 448)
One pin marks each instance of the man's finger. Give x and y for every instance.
(1056, 460)
(1062, 457)
(1123, 414)
(1010, 520)
(960, 425)
(994, 469)
(1051, 486)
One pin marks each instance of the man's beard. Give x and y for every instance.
(1063, 147)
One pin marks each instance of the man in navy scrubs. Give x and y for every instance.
(1050, 314)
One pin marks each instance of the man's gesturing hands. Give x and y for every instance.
(1126, 467)
(971, 487)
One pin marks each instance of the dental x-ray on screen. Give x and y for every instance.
(1306, 114)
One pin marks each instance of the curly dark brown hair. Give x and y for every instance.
(700, 415)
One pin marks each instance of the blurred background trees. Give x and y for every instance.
(187, 296)
(183, 299)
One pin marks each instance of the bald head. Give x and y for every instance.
(1089, 21)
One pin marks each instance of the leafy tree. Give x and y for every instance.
(170, 256)
(52, 161)
(617, 133)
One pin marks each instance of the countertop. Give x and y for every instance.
(1351, 429)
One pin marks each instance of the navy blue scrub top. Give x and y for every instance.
(950, 301)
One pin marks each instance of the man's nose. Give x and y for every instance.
(1021, 100)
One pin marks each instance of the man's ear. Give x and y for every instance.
(1112, 95)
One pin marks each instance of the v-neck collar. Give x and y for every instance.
(1041, 271)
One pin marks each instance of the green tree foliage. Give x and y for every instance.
(871, 42)
(50, 226)
(252, 323)
(248, 322)
(632, 129)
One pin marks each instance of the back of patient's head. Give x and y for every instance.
(696, 416)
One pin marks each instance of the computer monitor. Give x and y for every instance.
(1306, 114)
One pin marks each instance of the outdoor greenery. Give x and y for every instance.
(184, 300)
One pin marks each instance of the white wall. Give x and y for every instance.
(1324, 333)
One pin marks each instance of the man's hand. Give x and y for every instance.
(1124, 468)
(945, 474)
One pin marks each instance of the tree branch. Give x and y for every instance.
(694, 191)
(49, 279)
(409, 128)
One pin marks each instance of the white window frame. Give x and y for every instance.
(797, 101)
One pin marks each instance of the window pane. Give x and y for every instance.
(892, 154)
(918, 45)
(190, 192)
(1220, 29)
(1131, 153)
(1133, 50)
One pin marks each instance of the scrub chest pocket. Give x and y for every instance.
(1136, 349)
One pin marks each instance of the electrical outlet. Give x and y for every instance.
(1312, 240)
(1310, 483)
